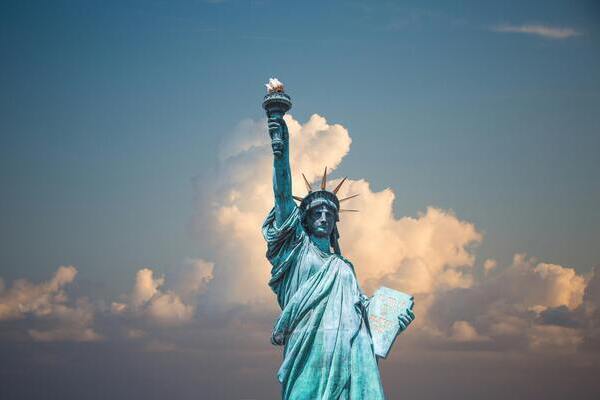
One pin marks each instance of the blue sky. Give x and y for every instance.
(109, 110)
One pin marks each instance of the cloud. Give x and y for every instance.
(146, 286)
(589, 315)
(547, 32)
(74, 324)
(193, 279)
(489, 265)
(526, 305)
(48, 302)
(431, 255)
(511, 319)
(554, 338)
(27, 298)
(166, 307)
(538, 285)
(233, 201)
(462, 331)
(422, 253)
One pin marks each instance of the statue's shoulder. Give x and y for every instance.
(345, 260)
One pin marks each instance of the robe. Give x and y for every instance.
(323, 325)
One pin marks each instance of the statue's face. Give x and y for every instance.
(321, 221)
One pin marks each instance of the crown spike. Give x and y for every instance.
(339, 185)
(348, 198)
(347, 210)
(298, 198)
(308, 187)
(324, 180)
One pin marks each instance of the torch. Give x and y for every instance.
(276, 103)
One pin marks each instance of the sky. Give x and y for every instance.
(136, 173)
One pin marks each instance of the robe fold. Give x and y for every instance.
(328, 352)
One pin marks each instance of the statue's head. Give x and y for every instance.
(321, 221)
(320, 212)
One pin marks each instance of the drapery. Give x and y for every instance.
(328, 351)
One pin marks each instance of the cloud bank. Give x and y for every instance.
(432, 255)
(424, 253)
(215, 313)
(528, 305)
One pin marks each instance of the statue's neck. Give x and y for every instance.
(322, 243)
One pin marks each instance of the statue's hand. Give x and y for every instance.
(279, 135)
(405, 319)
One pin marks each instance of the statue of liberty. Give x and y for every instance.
(324, 323)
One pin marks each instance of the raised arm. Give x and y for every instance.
(282, 176)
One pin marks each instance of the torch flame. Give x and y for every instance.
(274, 85)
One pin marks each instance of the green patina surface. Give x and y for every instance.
(328, 349)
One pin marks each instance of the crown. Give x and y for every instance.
(323, 196)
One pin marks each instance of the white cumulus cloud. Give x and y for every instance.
(174, 306)
(431, 255)
(234, 200)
